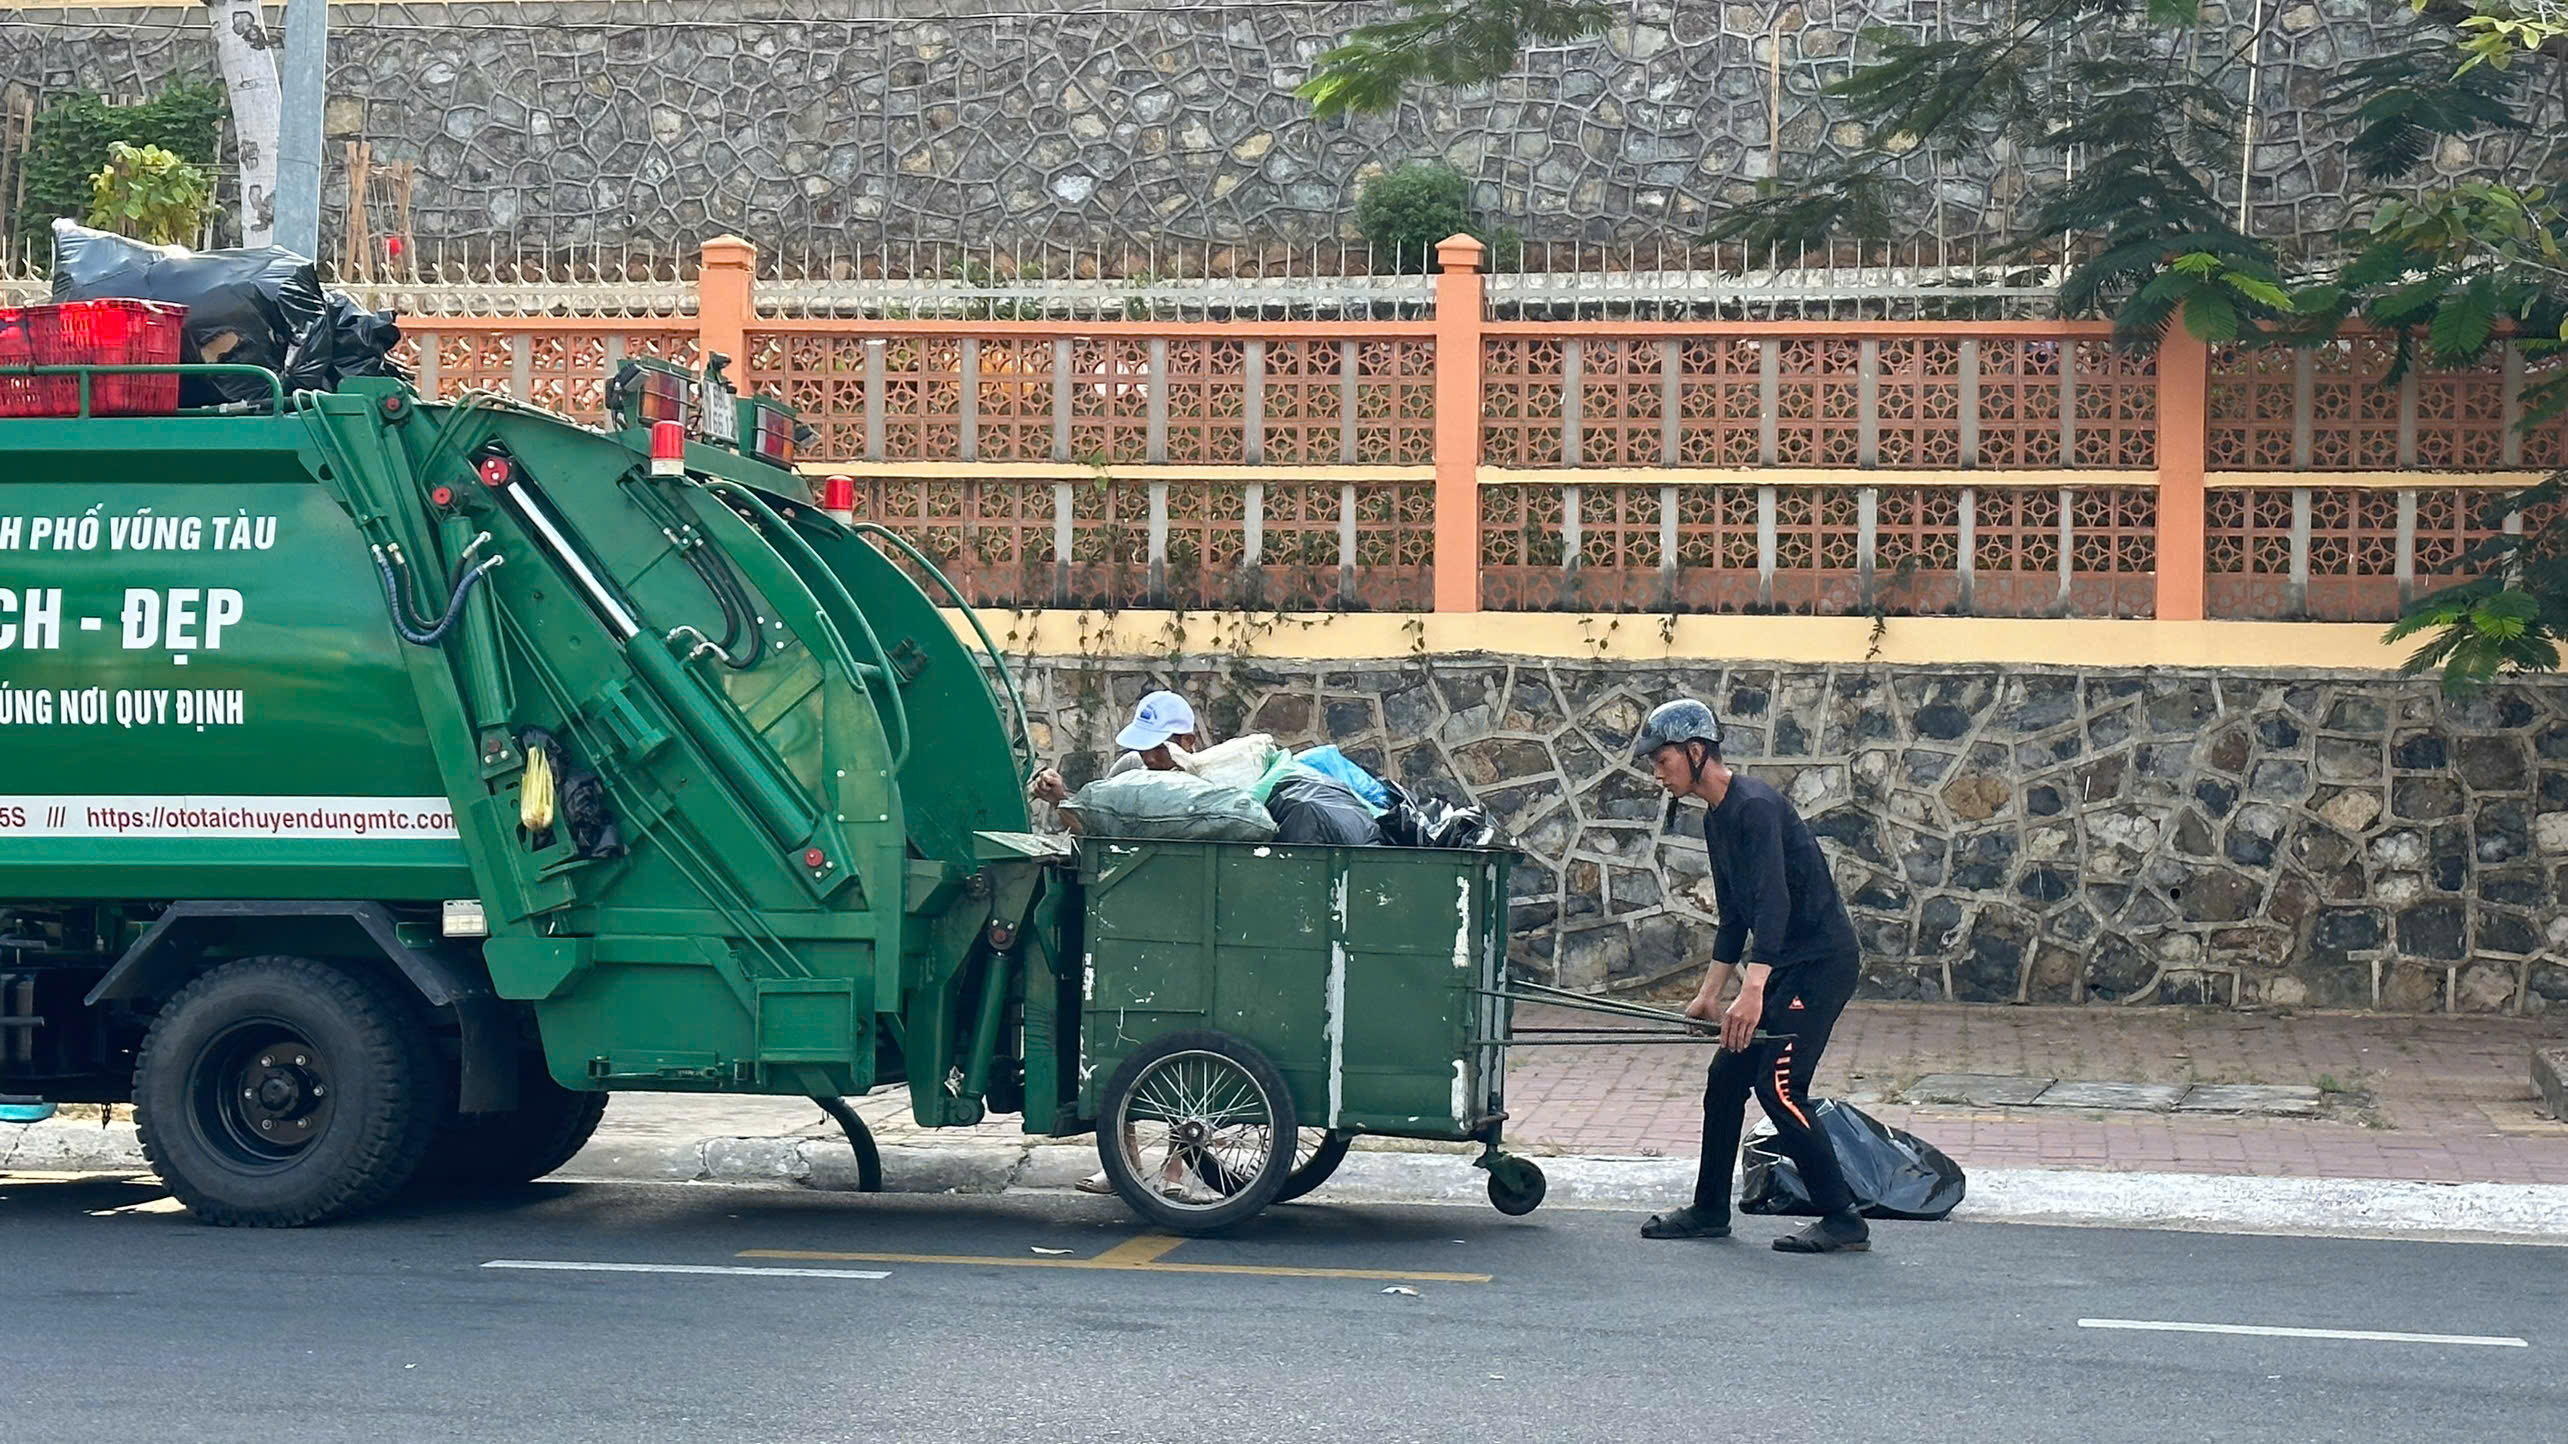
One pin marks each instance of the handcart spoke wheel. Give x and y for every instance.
(1317, 1152)
(1516, 1186)
(1187, 1110)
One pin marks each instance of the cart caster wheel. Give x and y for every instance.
(1516, 1186)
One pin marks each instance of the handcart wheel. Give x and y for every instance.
(1317, 1152)
(1189, 1109)
(1516, 1186)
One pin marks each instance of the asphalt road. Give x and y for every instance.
(120, 1321)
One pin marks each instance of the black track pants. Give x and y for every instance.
(1800, 1014)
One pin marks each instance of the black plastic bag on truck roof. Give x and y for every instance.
(1321, 811)
(348, 340)
(244, 307)
(1892, 1173)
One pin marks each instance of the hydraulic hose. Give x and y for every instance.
(720, 579)
(738, 614)
(428, 634)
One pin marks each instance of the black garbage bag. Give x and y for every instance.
(348, 340)
(1319, 810)
(1892, 1173)
(244, 307)
(593, 829)
(1432, 822)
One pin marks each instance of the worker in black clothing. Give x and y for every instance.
(1772, 884)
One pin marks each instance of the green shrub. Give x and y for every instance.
(149, 194)
(74, 140)
(1406, 212)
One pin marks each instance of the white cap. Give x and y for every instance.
(1160, 716)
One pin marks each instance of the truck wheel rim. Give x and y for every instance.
(260, 1095)
(1195, 1117)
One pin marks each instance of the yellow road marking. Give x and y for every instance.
(1140, 1249)
(1136, 1255)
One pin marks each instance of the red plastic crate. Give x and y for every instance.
(110, 333)
(29, 395)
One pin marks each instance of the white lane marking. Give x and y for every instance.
(2368, 1336)
(565, 1266)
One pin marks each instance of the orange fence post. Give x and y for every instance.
(1458, 366)
(724, 307)
(2184, 436)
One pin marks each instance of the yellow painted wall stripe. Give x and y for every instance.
(1693, 639)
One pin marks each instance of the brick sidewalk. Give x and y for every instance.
(2421, 1098)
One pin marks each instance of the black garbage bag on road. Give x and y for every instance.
(1322, 811)
(1893, 1174)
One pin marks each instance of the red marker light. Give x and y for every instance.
(443, 496)
(668, 448)
(838, 497)
(815, 858)
(495, 471)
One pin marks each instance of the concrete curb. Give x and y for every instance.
(2331, 1207)
(70, 1146)
(2209, 1203)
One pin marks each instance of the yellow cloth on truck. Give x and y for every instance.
(535, 794)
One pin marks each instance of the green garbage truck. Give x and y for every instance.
(385, 784)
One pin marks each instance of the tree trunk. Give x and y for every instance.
(245, 49)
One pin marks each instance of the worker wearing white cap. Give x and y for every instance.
(1162, 730)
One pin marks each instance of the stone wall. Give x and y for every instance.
(2003, 835)
(847, 124)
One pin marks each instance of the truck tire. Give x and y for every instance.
(480, 1151)
(1188, 1093)
(276, 1092)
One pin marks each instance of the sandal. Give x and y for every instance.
(1843, 1232)
(1686, 1222)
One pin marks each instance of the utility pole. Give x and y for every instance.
(298, 161)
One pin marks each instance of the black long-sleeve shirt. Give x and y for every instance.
(1771, 880)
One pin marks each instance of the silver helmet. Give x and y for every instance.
(1683, 720)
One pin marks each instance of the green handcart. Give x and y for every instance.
(1245, 1011)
